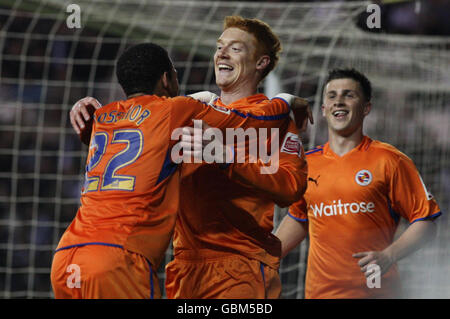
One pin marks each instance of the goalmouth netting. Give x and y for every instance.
(47, 66)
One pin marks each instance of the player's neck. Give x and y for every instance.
(230, 96)
(341, 145)
(135, 95)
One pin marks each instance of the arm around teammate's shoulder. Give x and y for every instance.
(284, 177)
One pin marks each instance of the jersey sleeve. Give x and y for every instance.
(284, 180)
(408, 195)
(271, 113)
(299, 211)
(184, 109)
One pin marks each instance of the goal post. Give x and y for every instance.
(46, 66)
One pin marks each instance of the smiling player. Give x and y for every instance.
(130, 198)
(358, 189)
(223, 241)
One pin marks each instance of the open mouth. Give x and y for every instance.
(340, 113)
(224, 67)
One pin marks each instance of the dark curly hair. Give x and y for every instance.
(353, 74)
(140, 67)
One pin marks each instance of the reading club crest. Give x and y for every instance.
(363, 177)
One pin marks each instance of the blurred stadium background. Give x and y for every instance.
(46, 67)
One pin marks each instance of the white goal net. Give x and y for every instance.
(47, 66)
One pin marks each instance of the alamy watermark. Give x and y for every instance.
(374, 279)
(74, 279)
(74, 19)
(262, 145)
(373, 21)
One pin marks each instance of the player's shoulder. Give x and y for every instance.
(183, 102)
(386, 148)
(260, 107)
(112, 104)
(181, 98)
(142, 100)
(154, 99)
(315, 152)
(269, 107)
(388, 151)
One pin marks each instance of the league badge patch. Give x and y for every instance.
(363, 177)
(292, 144)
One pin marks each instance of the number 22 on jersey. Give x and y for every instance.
(109, 179)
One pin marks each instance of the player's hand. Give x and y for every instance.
(82, 111)
(302, 113)
(205, 96)
(196, 145)
(381, 258)
(81, 116)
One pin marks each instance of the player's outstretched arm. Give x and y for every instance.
(301, 110)
(287, 183)
(283, 179)
(81, 117)
(284, 186)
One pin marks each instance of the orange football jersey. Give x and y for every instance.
(353, 204)
(220, 214)
(131, 192)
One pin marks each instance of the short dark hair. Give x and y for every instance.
(140, 67)
(353, 74)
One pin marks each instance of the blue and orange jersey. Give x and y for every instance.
(232, 210)
(353, 204)
(130, 197)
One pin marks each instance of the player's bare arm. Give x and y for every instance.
(291, 233)
(414, 237)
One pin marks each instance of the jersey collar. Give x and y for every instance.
(363, 146)
(244, 102)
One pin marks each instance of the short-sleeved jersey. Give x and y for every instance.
(353, 204)
(231, 215)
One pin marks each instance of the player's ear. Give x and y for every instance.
(367, 108)
(263, 62)
(323, 110)
(165, 81)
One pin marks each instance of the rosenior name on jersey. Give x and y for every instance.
(135, 113)
(340, 208)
